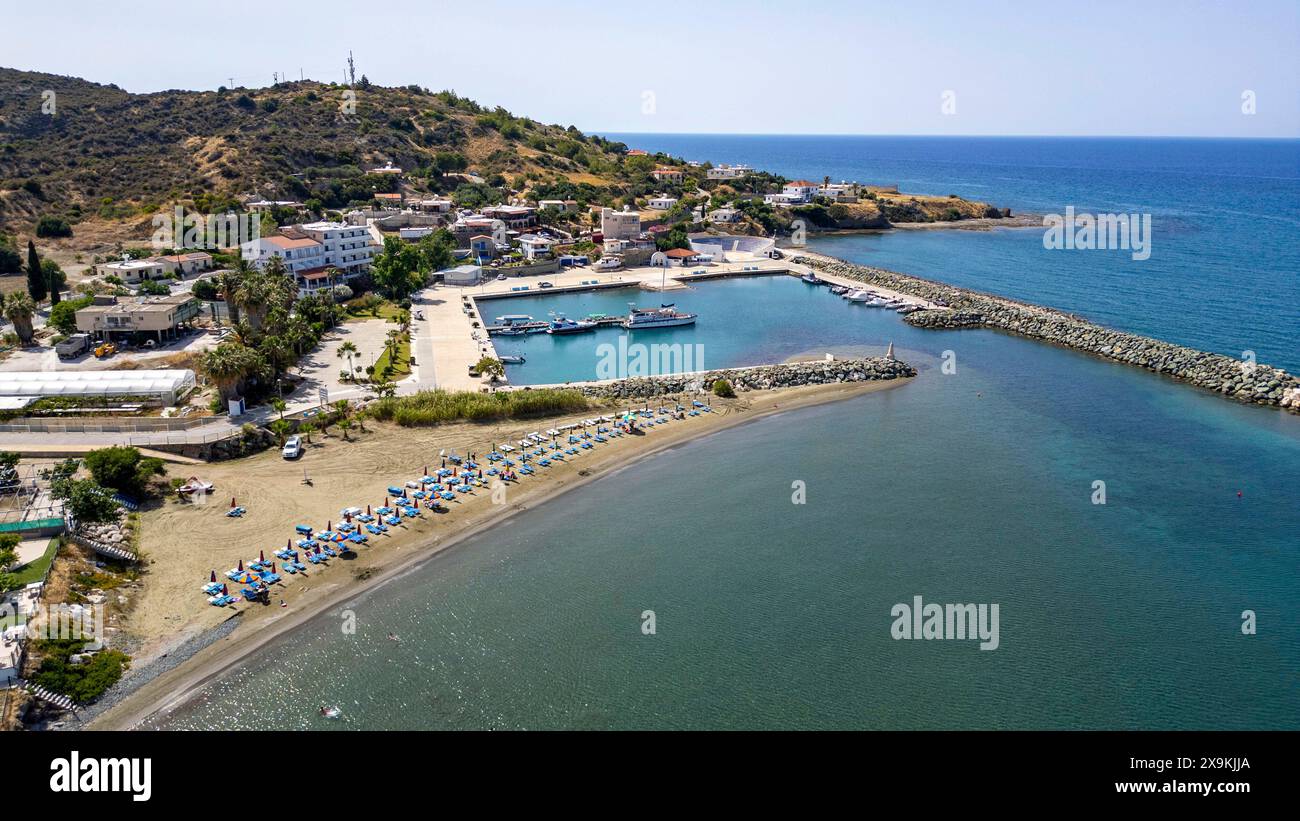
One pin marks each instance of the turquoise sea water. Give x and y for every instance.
(975, 486)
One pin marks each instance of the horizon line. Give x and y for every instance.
(600, 132)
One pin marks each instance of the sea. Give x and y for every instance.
(1139, 538)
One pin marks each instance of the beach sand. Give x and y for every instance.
(183, 543)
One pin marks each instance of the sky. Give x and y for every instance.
(1101, 67)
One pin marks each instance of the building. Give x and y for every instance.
(388, 168)
(724, 215)
(299, 254)
(663, 202)
(163, 387)
(463, 275)
(558, 205)
(665, 174)
(517, 217)
(676, 257)
(482, 247)
(349, 248)
(839, 192)
(134, 271)
(783, 199)
(535, 247)
(184, 265)
(804, 190)
(625, 224)
(160, 316)
(436, 205)
(389, 200)
(729, 172)
(636, 152)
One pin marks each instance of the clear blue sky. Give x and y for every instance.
(1099, 67)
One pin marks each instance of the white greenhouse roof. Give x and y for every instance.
(93, 383)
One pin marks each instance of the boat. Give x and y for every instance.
(511, 331)
(512, 359)
(811, 278)
(665, 316)
(875, 302)
(514, 319)
(839, 290)
(561, 326)
(195, 485)
(860, 295)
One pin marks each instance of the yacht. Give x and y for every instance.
(812, 278)
(512, 359)
(560, 325)
(666, 316)
(860, 295)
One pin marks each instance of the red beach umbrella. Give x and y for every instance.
(232, 501)
(225, 590)
(426, 470)
(261, 556)
(367, 510)
(329, 524)
(241, 566)
(213, 578)
(288, 543)
(273, 567)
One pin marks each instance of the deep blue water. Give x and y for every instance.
(1224, 271)
(975, 486)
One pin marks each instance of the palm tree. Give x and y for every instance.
(403, 320)
(228, 282)
(228, 365)
(306, 429)
(349, 350)
(344, 424)
(18, 309)
(281, 428)
(279, 405)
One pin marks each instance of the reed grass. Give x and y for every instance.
(438, 406)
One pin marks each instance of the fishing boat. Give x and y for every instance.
(811, 278)
(512, 359)
(665, 316)
(561, 326)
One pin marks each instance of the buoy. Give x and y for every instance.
(1239, 494)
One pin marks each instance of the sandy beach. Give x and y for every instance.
(183, 543)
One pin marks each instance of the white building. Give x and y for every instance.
(298, 255)
(805, 190)
(783, 199)
(349, 248)
(134, 271)
(839, 191)
(463, 275)
(625, 224)
(724, 215)
(534, 246)
(663, 202)
(729, 172)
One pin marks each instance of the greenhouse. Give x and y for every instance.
(163, 387)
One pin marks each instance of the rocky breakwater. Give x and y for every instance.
(1233, 378)
(755, 378)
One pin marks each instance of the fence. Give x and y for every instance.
(110, 424)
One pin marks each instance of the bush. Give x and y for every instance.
(83, 683)
(63, 317)
(204, 289)
(123, 468)
(53, 227)
(723, 388)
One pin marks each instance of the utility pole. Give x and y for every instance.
(352, 70)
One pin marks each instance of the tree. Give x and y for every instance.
(349, 350)
(307, 429)
(63, 316)
(396, 271)
(55, 279)
(10, 261)
(491, 368)
(35, 275)
(281, 428)
(18, 309)
(279, 405)
(345, 425)
(89, 503)
(9, 470)
(123, 468)
(228, 365)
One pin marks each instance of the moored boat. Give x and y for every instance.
(665, 316)
(560, 326)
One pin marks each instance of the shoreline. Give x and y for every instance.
(174, 687)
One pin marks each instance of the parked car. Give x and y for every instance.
(501, 277)
(546, 285)
(292, 448)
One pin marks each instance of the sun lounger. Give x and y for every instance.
(545, 463)
(527, 470)
(393, 490)
(315, 558)
(270, 578)
(289, 568)
(235, 511)
(211, 587)
(358, 538)
(374, 531)
(587, 446)
(393, 520)
(303, 529)
(447, 494)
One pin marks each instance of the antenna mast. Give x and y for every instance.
(352, 70)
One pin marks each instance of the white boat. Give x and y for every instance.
(860, 295)
(514, 319)
(560, 325)
(665, 316)
(876, 302)
(512, 359)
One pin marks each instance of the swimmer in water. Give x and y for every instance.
(391, 637)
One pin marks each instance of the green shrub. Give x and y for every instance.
(723, 388)
(435, 407)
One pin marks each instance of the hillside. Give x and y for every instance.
(118, 156)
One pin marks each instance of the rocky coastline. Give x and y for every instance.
(1233, 378)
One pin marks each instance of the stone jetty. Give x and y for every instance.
(1234, 378)
(755, 378)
